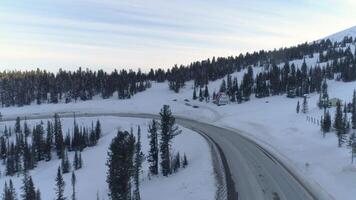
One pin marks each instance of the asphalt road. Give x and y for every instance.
(252, 173)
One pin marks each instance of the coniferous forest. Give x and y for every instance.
(279, 77)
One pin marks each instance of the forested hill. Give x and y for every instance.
(332, 57)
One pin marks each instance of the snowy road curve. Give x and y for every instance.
(252, 173)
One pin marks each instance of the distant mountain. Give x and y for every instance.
(339, 36)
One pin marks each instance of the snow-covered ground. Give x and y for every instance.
(272, 121)
(197, 181)
(339, 36)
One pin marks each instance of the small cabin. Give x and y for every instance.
(221, 99)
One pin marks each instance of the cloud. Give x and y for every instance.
(144, 33)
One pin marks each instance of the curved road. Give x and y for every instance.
(251, 172)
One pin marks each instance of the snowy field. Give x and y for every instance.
(272, 122)
(197, 181)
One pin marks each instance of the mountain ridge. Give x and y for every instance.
(339, 36)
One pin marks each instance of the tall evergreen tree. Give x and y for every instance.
(98, 130)
(120, 164)
(223, 86)
(18, 125)
(137, 166)
(60, 185)
(305, 105)
(154, 148)
(185, 161)
(28, 188)
(200, 94)
(353, 110)
(9, 192)
(65, 164)
(168, 131)
(339, 124)
(326, 123)
(195, 93)
(49, 141)
(73, 181)
(26, 129)
(206, 93)
(58, 135)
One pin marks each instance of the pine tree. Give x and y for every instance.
(326, 123)
(176, 162)
(185, 161)
(6, 132)
(154, 149)
(60, 185)
(298, 107)
(200, 95)
(339, 124)
(73, 181)
(324, 95)
(18, 125)
(98, 130)
(28, 188)
(305, 105)
(345, 121)
(137, 165)
(58, 135)
(223, 86)
(120, 164)
(65, 164)
(26, 129)
(76, 161)
(12, 191)
(28, 157)
(168, 131)
(206, 94)
(194, 93)
(353, 110)
(49, 142)
(9, 192)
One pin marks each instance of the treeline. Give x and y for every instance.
(23, 88)
(22, 148)
(125, 157)
(212, 69)
(287, 78)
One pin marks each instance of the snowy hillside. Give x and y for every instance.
(339, 36)
(272, 121)
(91, 179)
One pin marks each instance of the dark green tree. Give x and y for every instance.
(139, 157)
(153, 153)
(120, 164)
(168, 131)
(60, 185)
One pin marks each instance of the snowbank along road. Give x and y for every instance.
(252, 173)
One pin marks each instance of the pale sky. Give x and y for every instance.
(142, 34)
